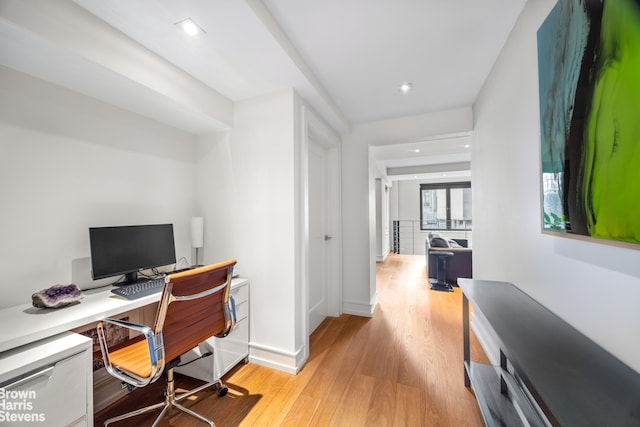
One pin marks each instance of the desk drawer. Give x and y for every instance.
(36, 392)
(242, 310)
(43, 392)
(240, 294)
(232, 349)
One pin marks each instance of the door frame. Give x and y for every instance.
(314, 129)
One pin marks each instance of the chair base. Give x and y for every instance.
(171, 401)
(440, 286)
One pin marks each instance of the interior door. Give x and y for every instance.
(318, 237)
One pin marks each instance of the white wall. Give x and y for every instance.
(593, 286)
(215, 196)
(408, 209)
(358, 193)
(68, 162)
(247, 192)
(383, 225)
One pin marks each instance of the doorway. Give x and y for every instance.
(322, 237)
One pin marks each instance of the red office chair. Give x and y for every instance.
(194, 306)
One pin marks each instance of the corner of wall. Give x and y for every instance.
(274, 358)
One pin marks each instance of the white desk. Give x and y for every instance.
(25, 324)
(34, 339)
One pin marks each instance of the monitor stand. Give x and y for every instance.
(129, 279)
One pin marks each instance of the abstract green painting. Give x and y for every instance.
(589, 83)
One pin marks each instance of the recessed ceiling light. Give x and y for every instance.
(467, 145)
(417, 150)
(406, 87)
(190, 27)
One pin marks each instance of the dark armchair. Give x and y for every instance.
(449, 258)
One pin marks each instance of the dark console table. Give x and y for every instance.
(549, 373)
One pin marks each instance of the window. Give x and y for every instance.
(445, 206)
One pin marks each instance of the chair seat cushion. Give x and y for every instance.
(132, 356)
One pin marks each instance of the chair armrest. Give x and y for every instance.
(154, 346)
(143, 329)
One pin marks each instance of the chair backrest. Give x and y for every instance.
(194, 306)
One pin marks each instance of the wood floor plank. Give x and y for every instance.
(270, 384)
(401, 367)
(382, 406)
(291, 399)
(408, 398)
(354, 405)
(332, 395)
(331, 362)
(301, 413)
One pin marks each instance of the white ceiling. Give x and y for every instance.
(362, 50)
(436, 158)
(346, 58)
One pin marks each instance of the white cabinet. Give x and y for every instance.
(228, 351)
(48, 382)
(232, 349)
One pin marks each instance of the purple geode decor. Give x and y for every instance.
(56, 296)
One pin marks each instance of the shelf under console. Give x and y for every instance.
(549, 373)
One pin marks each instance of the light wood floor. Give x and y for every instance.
(402, 367)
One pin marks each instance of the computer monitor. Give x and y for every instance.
(128, 249)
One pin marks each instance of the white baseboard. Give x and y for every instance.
(285, 361)
(358, 308)
(381, 258)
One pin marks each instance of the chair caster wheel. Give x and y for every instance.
(223, 391)
(220, 388)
